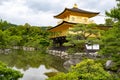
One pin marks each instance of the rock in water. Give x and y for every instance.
(70, 62)
(108, 64)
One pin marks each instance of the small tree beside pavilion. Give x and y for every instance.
(81, 35)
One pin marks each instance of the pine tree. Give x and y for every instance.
(115, 12)
(80, 35)
(111, 38)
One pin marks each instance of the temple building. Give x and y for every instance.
(70, 17)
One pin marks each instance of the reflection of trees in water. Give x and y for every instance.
(57, 63)
(24, 60)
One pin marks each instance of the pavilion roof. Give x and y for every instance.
(78, 11)
(62, 26)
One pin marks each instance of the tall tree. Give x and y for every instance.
(111, 44)
(111, 38)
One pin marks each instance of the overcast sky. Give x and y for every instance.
(41, 12)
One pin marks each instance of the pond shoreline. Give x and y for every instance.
(31, 62)
(8, 50)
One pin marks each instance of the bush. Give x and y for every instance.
(8, 73)
(85, 70)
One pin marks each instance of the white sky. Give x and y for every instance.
(41, 12)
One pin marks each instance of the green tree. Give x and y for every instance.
(3, 39)
(5, 25)
(80, 35)
(85, 70)
(8, 73)
(14, 40)
(13, 31)
(110, 39)
(109, 22)
(23, 35)
(110, 46)
(115, 12)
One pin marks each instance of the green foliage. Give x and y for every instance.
(110, 45)
(85, 70)
(15, 40)
(63, 76)
(80, 35)
(3, 39)
(110, 40)
(4, 25)
(115, 12)
(23, 35)
(8, 73)
(109, 22)
(89, 70)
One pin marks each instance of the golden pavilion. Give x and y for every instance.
(70, 17)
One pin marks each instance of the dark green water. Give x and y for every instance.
(33, 65)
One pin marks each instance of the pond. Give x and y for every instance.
(34, 65)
